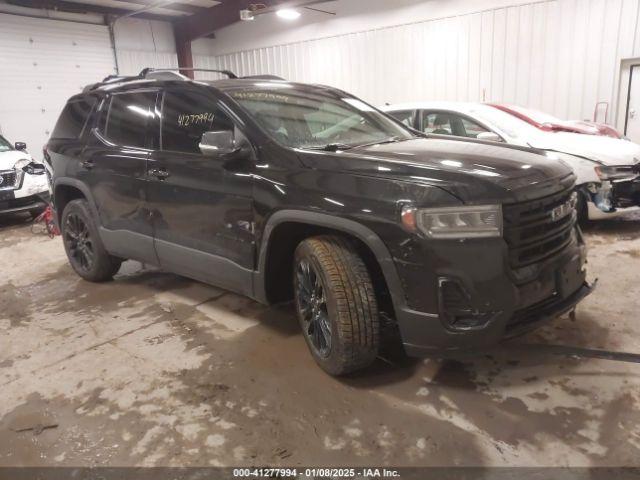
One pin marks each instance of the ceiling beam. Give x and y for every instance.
(73, 7)
(217, 17)
(177, 7)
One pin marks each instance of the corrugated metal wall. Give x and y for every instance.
(44, 62)
(144, 43)
(561, 56)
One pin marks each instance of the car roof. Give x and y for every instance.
(463, 107)
(231, 84)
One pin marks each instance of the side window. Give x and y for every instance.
(128, 117)
(405, 116)
(73, 118)
(186, 116)
(438, 123)
(471, 129)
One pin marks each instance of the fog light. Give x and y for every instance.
(455, 307)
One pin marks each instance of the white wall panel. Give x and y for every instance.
(44, 62)
(561, 56)
(144, 43)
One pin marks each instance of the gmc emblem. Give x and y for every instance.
(563, 210)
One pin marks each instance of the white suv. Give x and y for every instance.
(23, 181)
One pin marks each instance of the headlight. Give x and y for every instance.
(20, 164)
(616, 172)
(480, 221)
(30, 166)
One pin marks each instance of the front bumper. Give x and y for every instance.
(10, 204)
(613, 195)
(498, 304)
(29, 192)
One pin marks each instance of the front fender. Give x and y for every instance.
(361, 232)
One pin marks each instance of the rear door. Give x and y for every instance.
(202, 205)
(114, 166)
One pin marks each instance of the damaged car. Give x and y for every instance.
(23, 181)
(284, 191)
(607, 168)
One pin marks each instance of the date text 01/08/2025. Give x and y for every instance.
(334, 473)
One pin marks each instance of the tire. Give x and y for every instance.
(83, 245)
(333, 288)
(582, 209)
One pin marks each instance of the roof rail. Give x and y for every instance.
(146, 71)
(263, 77)
(109, 79)
(170, 74)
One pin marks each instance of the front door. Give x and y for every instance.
(632, 122)
(114, 166)
(202, 206)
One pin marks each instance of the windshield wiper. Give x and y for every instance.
(380, 142)
(330, 147)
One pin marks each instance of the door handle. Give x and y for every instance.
(88, 164)
(159, 173)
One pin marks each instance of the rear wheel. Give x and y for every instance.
(336, 304)
(83, 245)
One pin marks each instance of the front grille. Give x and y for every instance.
(9, 179)
(532, 233)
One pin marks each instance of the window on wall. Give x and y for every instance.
(186, 116)
(73, 118)
(128, 118)
(405, 116)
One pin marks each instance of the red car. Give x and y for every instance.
(549, 123)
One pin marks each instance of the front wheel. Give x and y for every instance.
(336, 304)
(83, 245)
(582, 208)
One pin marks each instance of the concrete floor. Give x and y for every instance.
(154, 369)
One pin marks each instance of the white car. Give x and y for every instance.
(607, 169)
(23, 181)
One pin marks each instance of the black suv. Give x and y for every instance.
(280, 191)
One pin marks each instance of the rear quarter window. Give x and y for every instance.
(73, 118)
(128, 118)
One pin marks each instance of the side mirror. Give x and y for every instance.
(217, 143)
(491, 136)
(20, 146)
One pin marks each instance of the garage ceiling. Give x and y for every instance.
(205, 16)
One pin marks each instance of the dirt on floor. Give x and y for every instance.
(157, 370)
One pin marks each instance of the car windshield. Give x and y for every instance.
(320, 119)
(5, 146)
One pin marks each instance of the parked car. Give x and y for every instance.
(23, 183)
(549, 123)
(280, 191)
(607, 169)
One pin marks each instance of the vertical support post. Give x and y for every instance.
(112, 38)
(183, 49)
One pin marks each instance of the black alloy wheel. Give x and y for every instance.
(79, 242)
(312, 305)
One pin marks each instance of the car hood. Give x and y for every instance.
(9, 159)
(606, 150)
(473, 171)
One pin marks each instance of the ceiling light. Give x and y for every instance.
(288, 14)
